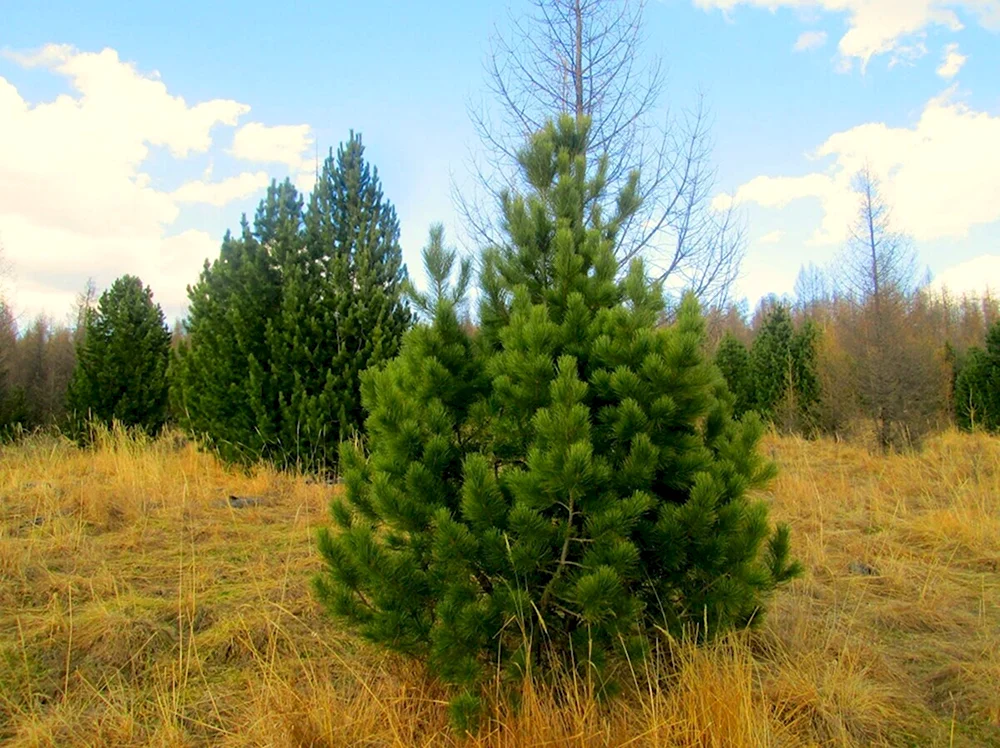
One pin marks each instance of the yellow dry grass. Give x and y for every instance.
(138, 607)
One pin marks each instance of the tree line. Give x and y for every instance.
(266, 365)
(866, 350)
(312, 292)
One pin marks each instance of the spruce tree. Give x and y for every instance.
(733, 361)
(121, 368)
(342, 310)
(771, 362)
(282, 324)
(977, 386)
(805, 374)
(565, 482)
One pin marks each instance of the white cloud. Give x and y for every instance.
(76, 197)
(952, 62)
(761, 276)
(942, 176)
(880, 26)
(145, 112)
(974, 277)
(908, 54)
(810, 40)
(771, 237)
(283, 144)
(220, 193)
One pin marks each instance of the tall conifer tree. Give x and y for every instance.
(284, 322)
(342, 310)
(565, 481)
(783, 363)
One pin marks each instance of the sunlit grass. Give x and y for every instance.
(137, 606)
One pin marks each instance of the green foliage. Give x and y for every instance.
(12, 405)
(733, 361)
(342, 309)
(218, 377)
(438, 262)
(771, 360)
(282, 324)
(564, 483)
(783, 366)
(805, 370)
(977, 386)
(121, 368)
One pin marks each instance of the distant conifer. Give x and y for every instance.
(977, 386)
(733, 361)
(121, 368)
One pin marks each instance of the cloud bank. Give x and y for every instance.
(877, 27)
(76, 196)
(941, 175)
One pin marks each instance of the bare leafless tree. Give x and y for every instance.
(8, 345)
(586, 58)
(812, 290)
(879, 261)
(897, 375)
(83, 307)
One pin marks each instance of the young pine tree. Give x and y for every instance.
(121, 368)
(977, 386)
(565, 481)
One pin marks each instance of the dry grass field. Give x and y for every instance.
(140, 606)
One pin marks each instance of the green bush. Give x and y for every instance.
(564, 482)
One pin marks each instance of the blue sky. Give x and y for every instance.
(133, 135)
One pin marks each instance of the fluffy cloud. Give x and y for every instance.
(283, 144)
(75, 197)
(942, 175)
(908, 54)
(880, 26)
(975, 277)
(222, 192)
(952, 62)
(771, 237)
(810, 40)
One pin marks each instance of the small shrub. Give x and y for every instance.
(563, 483)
